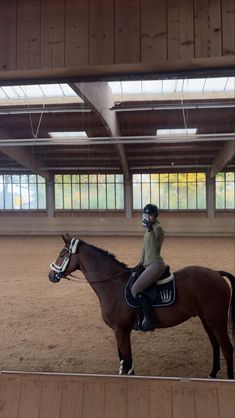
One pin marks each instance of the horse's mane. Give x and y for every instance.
(106, 253)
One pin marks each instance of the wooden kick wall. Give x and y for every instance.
(89, 396)
(47, 34)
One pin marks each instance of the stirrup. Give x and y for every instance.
(147, 325)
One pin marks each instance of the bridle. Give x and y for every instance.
(60, 269)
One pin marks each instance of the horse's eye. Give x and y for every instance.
(63, 252)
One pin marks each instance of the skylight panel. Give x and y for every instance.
(32, 91)
(52, 90)
(193, 85)
(215, 84)
(71, 134)
(10, 92)
(116, 87)
(152, 86)
(131, 87)
(179, 85)
(187, 131)
(20, 92)
(168, 86)
(2, 94)
(230, 85)
(67, 90)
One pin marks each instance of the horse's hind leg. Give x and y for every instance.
(124, 351)
(221, 334)
(216, 350)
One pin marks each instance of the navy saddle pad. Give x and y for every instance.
(161, 294)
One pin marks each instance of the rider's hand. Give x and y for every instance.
(147, 224)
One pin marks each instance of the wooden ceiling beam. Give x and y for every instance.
(23, 156)
(223, 158)
(99, 97)
(28, 160)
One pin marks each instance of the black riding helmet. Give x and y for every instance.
(150, 209)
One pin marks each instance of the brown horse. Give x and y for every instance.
(200, 292)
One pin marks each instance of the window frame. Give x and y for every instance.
(100, 181)
(167, 184)
(39, 180)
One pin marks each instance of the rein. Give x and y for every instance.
(95, 273)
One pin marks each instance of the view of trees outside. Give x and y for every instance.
(22, 191)
(176, 191)
(225, 196)
(89, 191)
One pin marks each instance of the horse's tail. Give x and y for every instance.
(232, 306)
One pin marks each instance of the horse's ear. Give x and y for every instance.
(66, 238)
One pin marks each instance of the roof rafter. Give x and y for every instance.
(100, 99)
(24, 157)
(224, 156)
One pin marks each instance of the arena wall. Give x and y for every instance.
(175, 225)
(85, 396)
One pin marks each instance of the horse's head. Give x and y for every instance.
(67, 261)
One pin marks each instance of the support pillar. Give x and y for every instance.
(210, 197)
(50, 195)
(128, 197)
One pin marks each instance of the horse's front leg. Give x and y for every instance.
(124, 351)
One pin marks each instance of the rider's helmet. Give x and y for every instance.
(150, 209)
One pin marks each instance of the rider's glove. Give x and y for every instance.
(148, 225)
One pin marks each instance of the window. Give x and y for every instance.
(89, 191)
(22, 192)
(225, 185)
(176, 191)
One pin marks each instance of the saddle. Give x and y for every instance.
(162, 293)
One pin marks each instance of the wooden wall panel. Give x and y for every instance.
(173, 29)
(9, 397)
(160, 399)
(93, 399)
(115, 405)
(101, 32)
(72, 396)
(127, 31)
(137, 399)
(186, 29)
(49, 396)
(228, 25)
(180, 29)
(76, 33)
(28, 34)
(7, 35)
(208, 38)
(52, 33)
(153, 30)
(29, 405)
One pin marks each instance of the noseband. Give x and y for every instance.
(59, 270)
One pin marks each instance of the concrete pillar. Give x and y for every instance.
(210, 187)
(50, 195)
(128, 197)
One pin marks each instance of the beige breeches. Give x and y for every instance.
(150, 275)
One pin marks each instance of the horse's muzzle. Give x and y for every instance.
(55, 277)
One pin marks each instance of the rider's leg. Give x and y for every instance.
(150, 275)
(152, 272)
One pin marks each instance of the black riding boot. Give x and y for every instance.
(146, 310)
